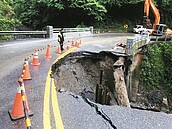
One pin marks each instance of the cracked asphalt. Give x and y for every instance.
(12, 58)
(80, 114)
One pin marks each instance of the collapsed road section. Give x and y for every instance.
(89, 75)
(88, 84)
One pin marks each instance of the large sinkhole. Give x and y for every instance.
(87, 74)
(102, 78)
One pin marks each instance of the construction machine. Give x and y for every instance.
(157, 28)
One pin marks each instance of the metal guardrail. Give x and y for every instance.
(162, 38)
(97, 31)
(74, 32)
(133, 44)
(23, 32)
(48, 33)
(67, 30)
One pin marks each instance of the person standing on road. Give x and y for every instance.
(61, 38)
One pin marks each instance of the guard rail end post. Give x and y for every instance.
(130, 43)
(91, 29)
(49, 32)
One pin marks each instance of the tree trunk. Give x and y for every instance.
(169, 100)
(120, 87)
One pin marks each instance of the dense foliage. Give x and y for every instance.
(70, 13)
(39, 13)
(36, 14)
(165, 9)
(156, 72)
(7, 19)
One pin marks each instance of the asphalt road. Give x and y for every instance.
(12, 59)
(75, 112)
(79, 113)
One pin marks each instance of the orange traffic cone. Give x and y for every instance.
(35, 60)
(73, 43)
(17, 111)
(67, 47)
(48, 55)
(77, 44)
(59, 50)
(26, 71)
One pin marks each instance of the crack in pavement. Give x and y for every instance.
(75, 96)
(100, 112)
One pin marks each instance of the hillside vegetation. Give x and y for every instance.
(156, 73)
(36, 14)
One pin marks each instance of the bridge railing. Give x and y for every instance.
(22, 32)
(133, 44)
(45, 33)
(16, 34)
(162, 38)
(67, 30)
(50, 32)
(74, 32)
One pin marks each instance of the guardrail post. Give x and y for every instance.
(129, 46)
(91, 29)
(49, 32)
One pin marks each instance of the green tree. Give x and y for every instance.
(34, 13)
(39, 13)
(122, 2)
(167, 78)
(7, 15)
(165, 11)
(156, 69)
(94, 8)
(152, 68)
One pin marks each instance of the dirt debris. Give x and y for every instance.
(79, 73)
(120, 85)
